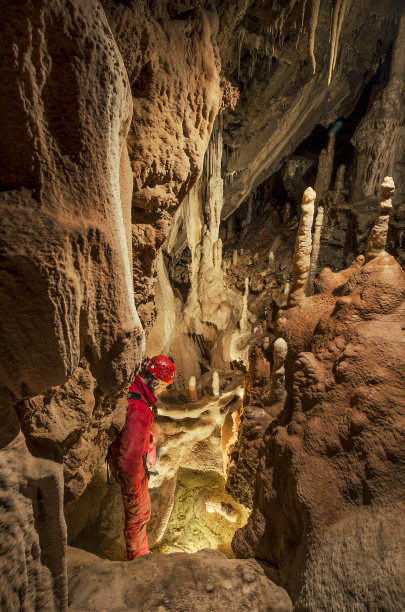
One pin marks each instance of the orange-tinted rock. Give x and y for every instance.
(331, 478)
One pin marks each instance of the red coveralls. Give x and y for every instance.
(126, 463)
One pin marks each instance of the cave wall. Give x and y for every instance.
(330, 466)
(108, 110)
(72, 244)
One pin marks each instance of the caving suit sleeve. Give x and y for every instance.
(134, 442)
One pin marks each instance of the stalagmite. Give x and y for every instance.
(316, 243)
(234, 257)
(303, 247)
(312, 29)
(243, 320)
(356, 194)
(339, 185)
(229, 228)
(192, 391)
(215, 383)
(325, 167)
(378, 235)
(266, 343)
(278, 391)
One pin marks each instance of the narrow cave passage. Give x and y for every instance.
(202, 203)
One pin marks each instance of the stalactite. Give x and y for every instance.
(378, 235)
(316, 243)
(339, 10)
(277, 384)
(241, 36)
(312, 29)
(303, 247)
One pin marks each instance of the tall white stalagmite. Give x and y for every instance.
(378, 235)
(303, 247)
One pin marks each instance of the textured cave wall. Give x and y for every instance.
(66, 283)
(172, 60)
(106, 116)
(330, 469)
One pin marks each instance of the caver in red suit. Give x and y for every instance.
(127, 456)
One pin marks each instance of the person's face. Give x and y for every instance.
(159, 386)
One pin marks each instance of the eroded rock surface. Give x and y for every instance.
(331, 475)
(205, 581)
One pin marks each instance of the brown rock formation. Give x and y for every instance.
(202, 582)
(330, 477)
(173, 67)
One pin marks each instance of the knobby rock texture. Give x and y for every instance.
(328, 496)
(202, 582)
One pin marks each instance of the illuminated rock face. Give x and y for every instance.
(66, 278)
(108, 109)
(202, 581)
(329, 478)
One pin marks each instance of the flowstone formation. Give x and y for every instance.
(331, 466)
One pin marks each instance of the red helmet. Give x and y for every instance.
(161, 367)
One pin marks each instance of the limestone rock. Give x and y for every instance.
(331, 474)
(66, 274)
(203, 582)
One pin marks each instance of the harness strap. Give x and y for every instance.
(138, 396)
(108, 467)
